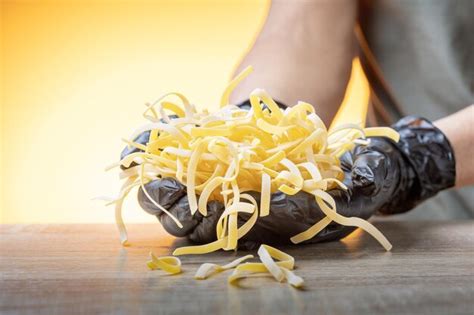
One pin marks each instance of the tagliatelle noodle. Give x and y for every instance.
(126, 187)
(382, 132)
(190, 183)
(270, 264)
(169, 264)
(280, 269)
(322, 197)
(292, 279)
(162, 104)
(266, 195)
(233, 84)
(232, 218)
(207, 269)
(221, 155)
(312, 231)
(233, 209)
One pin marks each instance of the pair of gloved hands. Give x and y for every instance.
(382, 177)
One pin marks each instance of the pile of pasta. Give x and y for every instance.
(224, 154)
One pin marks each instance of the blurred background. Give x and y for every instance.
(75, 76)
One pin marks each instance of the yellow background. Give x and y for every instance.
(75, 77)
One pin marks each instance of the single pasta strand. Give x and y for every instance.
(322, 196)
(126, 187)
(147, 194)
(207, 269)
(190, 184)
(312, 231)
(233, 84)
(169, 264)
(266, 195)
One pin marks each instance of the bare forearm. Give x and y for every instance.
(459, 129)
(304, 52)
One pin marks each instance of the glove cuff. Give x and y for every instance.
(429, 153)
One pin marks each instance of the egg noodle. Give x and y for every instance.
(224, 154)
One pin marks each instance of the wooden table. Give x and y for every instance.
(69, 269)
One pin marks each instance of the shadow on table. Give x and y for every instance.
(357, 244)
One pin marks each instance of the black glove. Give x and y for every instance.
(382, 177)
(391, 178)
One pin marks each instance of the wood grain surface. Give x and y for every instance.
(82, 269)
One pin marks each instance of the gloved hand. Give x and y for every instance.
(382, 177)
(406, 173)
(289, 215)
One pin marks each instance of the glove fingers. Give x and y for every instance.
(289, 215)
(368, 172)
(205, 231)
(171, 194)
(164, 191)
(347, 161)
(181, 211)
(249, 245)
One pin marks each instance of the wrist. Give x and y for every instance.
(458, 128)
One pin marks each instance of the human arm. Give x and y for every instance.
(458, 127)
(304, 52)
